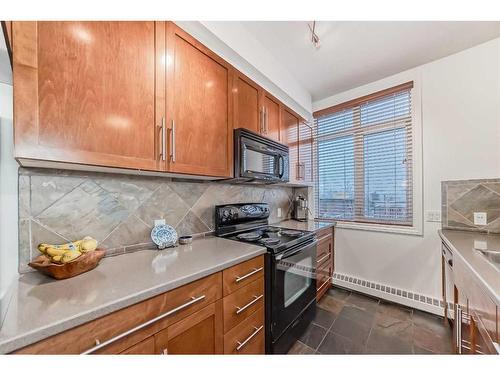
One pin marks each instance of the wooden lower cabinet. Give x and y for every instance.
(247, 337)
(324, 261)
(191, 319)
(144, 347)
(199, 333)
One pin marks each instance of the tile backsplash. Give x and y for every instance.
(460, 199)
(57, 206)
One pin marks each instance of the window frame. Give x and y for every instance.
(346, 100)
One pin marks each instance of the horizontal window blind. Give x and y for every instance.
(363, 148)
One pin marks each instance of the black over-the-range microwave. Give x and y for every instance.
(258, 159)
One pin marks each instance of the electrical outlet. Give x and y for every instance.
(480, 218)
(159, 222)
(279, 213)
(433, 216)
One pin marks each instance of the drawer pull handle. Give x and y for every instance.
(323, 258)
(255, 270)
(242, 344)
(192, 301)
(241, 309)
(322, 285)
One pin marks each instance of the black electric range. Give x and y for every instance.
(290, 269)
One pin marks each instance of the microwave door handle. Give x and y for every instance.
(281, 166)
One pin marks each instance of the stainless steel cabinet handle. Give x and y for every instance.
(322, 258)
(239, 310)
(265, 120)
(145, 324)
(496, 346)
(242, 344)
(163, 145)
(458, 322)
(262, 120)
(172, 152)
(255, 270)
(322, 285)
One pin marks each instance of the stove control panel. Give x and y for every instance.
(233, 214)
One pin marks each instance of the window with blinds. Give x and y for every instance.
(364, 159)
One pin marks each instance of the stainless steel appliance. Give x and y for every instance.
(300, 208)
(258, 159)
(290, 270)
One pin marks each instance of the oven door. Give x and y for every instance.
(262, 162)
(293, 285)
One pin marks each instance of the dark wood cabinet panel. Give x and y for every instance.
(198, 108)
(85, 92)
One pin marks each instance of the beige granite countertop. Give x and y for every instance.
(461, 243)
(41, 307)
(310, 225)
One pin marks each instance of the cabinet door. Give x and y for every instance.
(85, 92)
(198, 92)
(247, 111)
(305, 152)
(289, 135)
(271, 107)
(146, 346)
(199, 333)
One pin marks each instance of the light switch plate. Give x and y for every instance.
(480, 245)
(433, 216)
(480, 218)
(279, 212)
(159, 222)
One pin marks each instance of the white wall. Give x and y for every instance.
(235, 44)
(460, 110)
(8, 198)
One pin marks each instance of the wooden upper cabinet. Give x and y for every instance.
(85, 92)
(305, 169)
(289, 133)
(271, 108)
(246, 104)
(198, 107)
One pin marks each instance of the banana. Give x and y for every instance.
(57, 259)
(70, 255)
(55, 252)
(75, 245)
(88, 244)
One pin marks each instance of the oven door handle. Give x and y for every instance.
(288, 254)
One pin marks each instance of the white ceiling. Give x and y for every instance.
(355, 53)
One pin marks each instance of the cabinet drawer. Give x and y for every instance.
(324, 232)
(247, 337)
(82, 338)
(242, 274)
(144, 347)
(324, 246)
(210, 287)
(325, 259)
(243, 303)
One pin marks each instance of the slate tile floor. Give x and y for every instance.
(351, 323)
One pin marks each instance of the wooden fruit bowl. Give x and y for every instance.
(83, 263)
